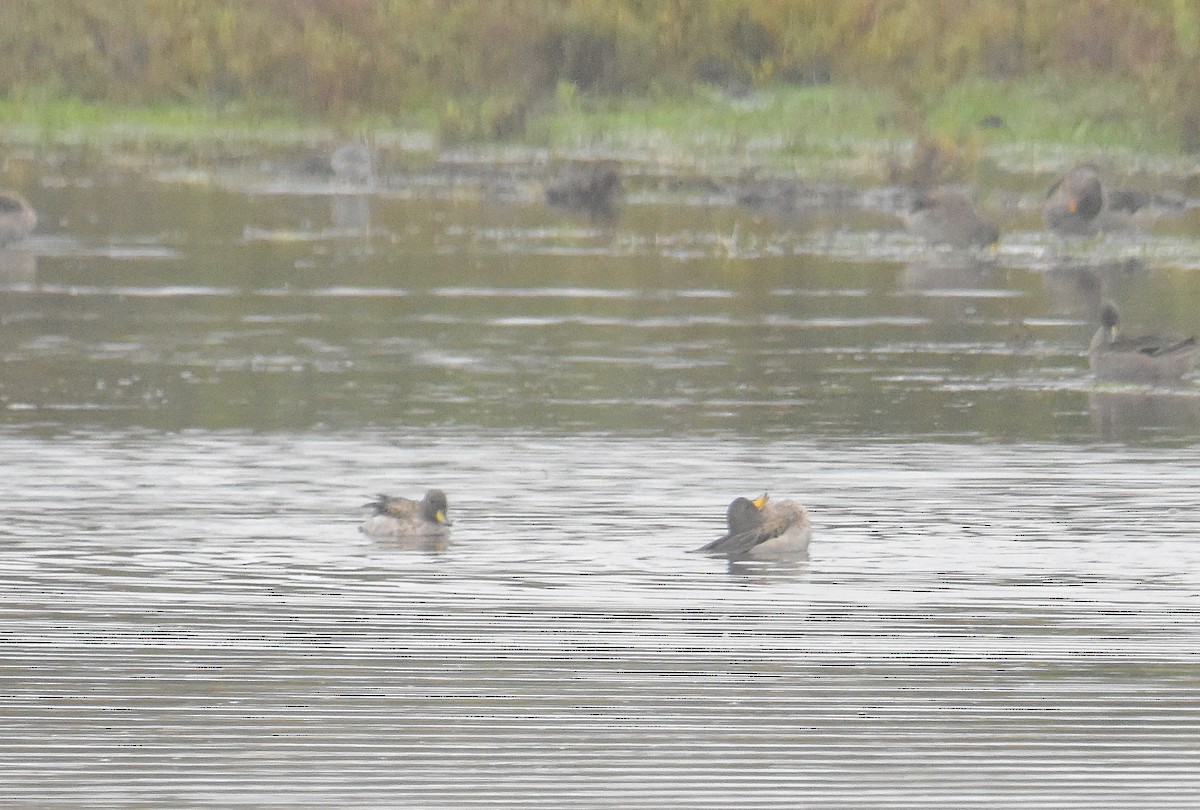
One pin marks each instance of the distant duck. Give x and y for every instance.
(1143, 358)
(592, 188)
(1074, 204)
(353, 162)
(762, 530)
(17, 217)
(1124, 207)
(404, 517)
(948, 217)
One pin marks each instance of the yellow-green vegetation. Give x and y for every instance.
(69, 120)
(793, 78)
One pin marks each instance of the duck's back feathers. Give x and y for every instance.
(392, 505)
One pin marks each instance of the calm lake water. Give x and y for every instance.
(206, 373)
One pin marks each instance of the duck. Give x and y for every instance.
(1074, 204)
(762, 529)
(1142, 358)
(17, 217)
(592, 188)
(946, 216)
(404, 517)
(353, 162)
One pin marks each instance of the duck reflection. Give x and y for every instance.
(353, 166)
(951, 272)
(17, 266)
(1129, 413)
(766, 572)
(350, 213)
(1084, 286)
(948, 284)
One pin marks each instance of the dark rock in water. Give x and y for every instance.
(593, 188)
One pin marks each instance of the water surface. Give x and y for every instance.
(203, 381)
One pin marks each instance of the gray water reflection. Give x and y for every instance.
(205, 375)
(194, 620)
(299, 301)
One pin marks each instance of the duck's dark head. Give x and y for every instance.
(435, 508)
(744, 514)
(1109, 316)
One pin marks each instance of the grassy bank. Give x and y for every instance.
(799, 126)
(802, 128)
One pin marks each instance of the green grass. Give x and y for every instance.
(804, 129)
(1089, 114)
(840, 129)
(71, 121)
(779, 121)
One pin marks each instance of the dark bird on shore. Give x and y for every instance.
(1141, 358)
(404, 517)
(948, 217)
(1074, 205)
(762, 530)
(592, 188)
(17, 217)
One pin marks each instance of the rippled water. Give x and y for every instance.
(972, 624)
(203, 383)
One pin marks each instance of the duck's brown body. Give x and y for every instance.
(948, 217)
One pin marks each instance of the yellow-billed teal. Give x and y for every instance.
(1141, 358)
(404, 517)
(761, 529)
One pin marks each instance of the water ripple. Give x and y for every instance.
(973, 622)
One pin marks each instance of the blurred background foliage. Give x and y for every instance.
(480, 69)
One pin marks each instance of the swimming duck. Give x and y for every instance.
(404, 517)
(353, 162)
(762, 530)
(592, 188)
(948, 217)
(17, 217)
(1074, 204)
(1143, 358)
